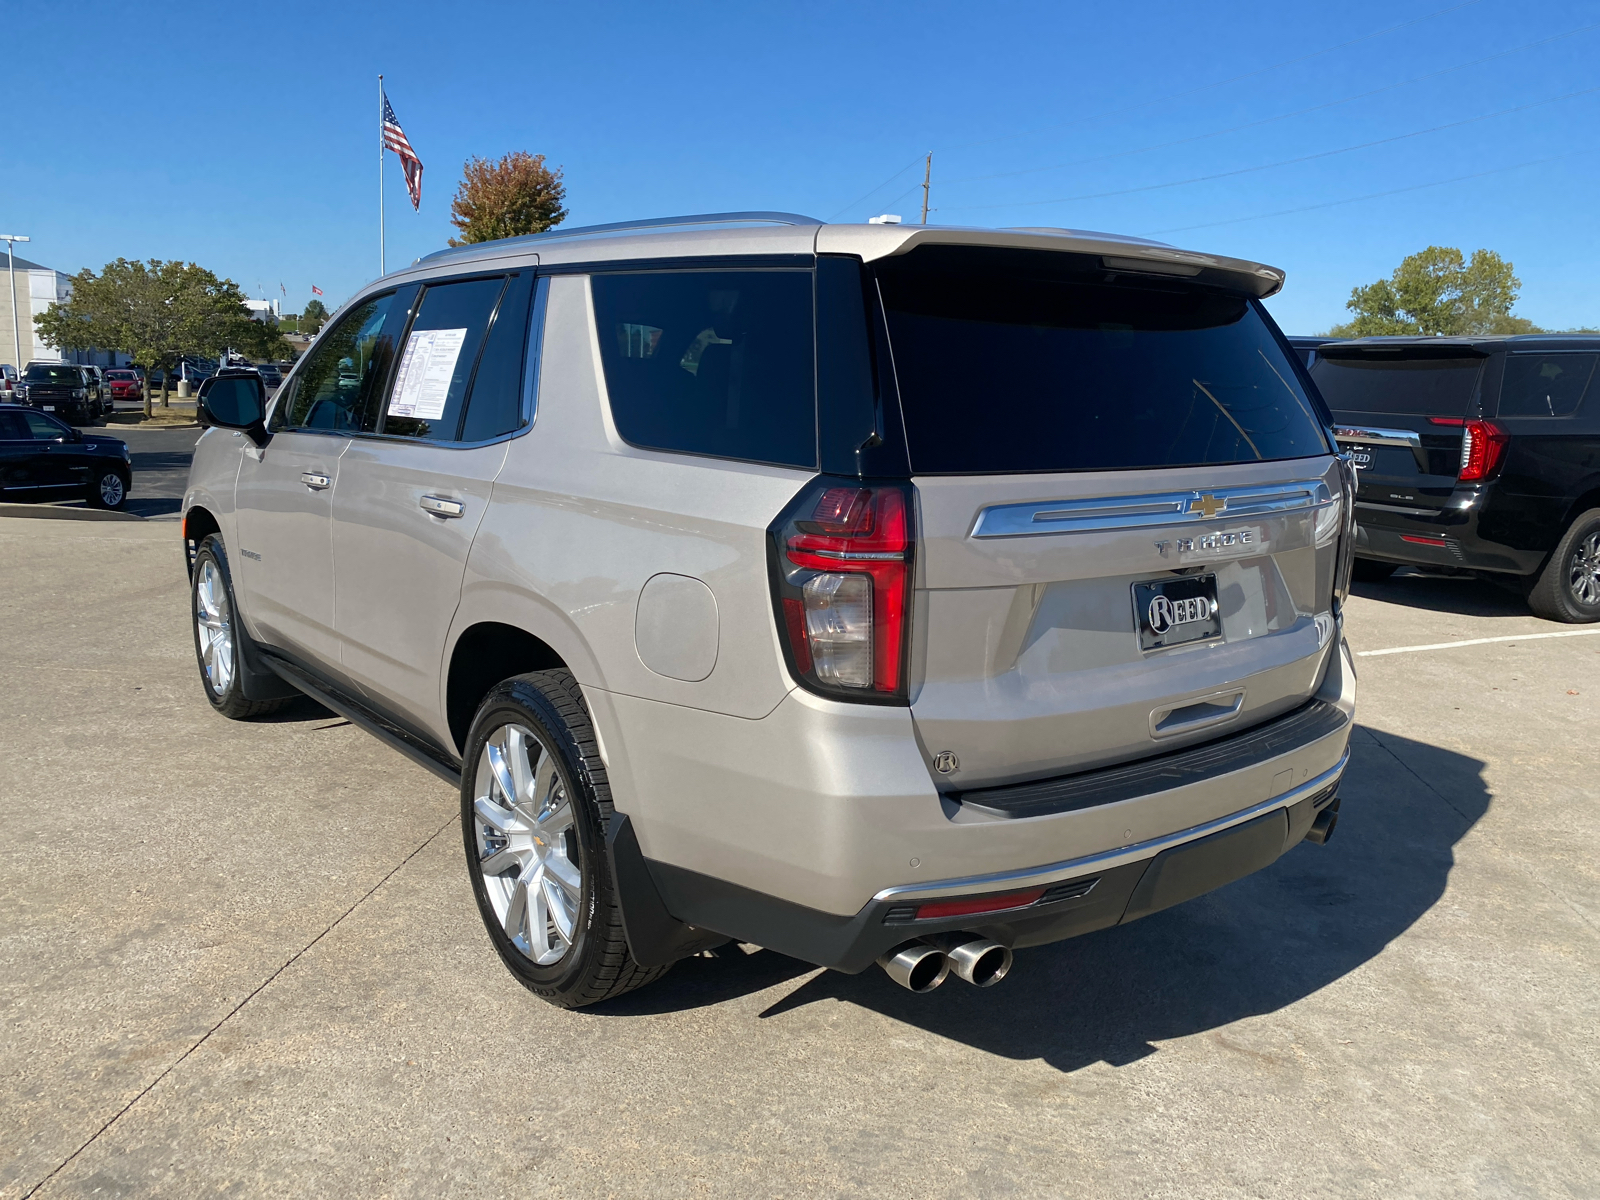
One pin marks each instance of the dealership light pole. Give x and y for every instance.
(11, 268)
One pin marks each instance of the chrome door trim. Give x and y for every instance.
(1367, 435)
(442, 506)
(1100, 514)
(1056, 872)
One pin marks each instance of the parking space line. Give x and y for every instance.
(1516, 637)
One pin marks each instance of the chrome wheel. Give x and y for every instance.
(1584, 571)
(527, 843)
(213, 626)
(111, 490)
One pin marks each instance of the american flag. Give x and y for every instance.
(394, 138)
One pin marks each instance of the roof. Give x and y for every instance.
(774, 233)
(23, 264)
(1481, 345)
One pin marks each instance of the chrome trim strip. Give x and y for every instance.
(1105, 861)
(1363, 435)
(1101, 514)
(1379, 506)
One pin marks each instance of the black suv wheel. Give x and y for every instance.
(1568, 589)
(535, 805)
(109, 489)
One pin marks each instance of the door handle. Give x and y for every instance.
(441, 507)
(314, 480)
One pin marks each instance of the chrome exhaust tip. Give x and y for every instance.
(916, 966)
(979, 961)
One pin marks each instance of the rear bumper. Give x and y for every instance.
(1468, 532)
(817, 830)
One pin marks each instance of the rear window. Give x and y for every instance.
(1421, 387)
(1013, 361)
(1545, 385)
(720, 363)
(46, 374)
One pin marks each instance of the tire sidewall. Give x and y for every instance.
(1572, 545)
(212, 548)
(521, 701)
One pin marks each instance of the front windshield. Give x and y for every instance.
(54, 374)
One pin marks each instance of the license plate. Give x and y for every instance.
(1174, 612)
(49, 408)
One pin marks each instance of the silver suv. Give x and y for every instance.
(864, 592)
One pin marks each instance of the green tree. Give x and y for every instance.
(1438, 292)
(313, 317)
(158, 312)
(512, 197)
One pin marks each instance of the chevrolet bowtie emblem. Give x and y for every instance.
(1207, 505)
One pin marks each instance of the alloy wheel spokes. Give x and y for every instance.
(213, 627)
(527, 850)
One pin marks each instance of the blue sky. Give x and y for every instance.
(244, 137)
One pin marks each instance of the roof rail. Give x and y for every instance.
(730, 218)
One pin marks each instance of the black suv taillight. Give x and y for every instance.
(841, 560)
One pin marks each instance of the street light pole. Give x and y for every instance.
(11, 269)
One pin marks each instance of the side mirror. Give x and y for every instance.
(235, 402)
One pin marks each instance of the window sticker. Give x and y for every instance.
(423, 385)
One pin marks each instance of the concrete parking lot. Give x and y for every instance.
(243, 959)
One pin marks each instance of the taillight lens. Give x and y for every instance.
(841, 565)
(1483, 447)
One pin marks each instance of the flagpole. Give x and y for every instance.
(382, 268)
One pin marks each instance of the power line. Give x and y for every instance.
(1164, 99)
(879, 188)
(1287, 212)
(1200, 137)
(1154, 187)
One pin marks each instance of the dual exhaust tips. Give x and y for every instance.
(924, 965)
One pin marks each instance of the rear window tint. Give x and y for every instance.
(1011, 362)
(1422, 387)
(711, 362)
(1545, 385)
(440, 354)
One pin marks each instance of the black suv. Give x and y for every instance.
(42, 458)
(1475, 453)
(59, 388)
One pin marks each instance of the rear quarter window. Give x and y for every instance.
(720, 363)
(1545, 385)
(1017, 362)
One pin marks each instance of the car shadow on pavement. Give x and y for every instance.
(1463, 595)
(1250, 948)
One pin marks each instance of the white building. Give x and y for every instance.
(37, 288)
(263, 310)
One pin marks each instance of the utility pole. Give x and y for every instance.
(927, 175)
(11, 269)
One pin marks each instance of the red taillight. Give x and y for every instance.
(978, 904)
(1483, 446)
(844, 579)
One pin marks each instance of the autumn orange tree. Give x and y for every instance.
(514, 196)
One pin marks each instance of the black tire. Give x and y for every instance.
(596, 965)
(228, 699)
(1370, 570)
(109, 490)
(1568, 589)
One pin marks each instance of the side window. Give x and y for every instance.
(495, 406)
(441, 352)
(1545, 385)
(335, 388)
(11, 427)
(711, 362)
(42, 429)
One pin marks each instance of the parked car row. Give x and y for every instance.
(1474, 454)
(78, 394)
